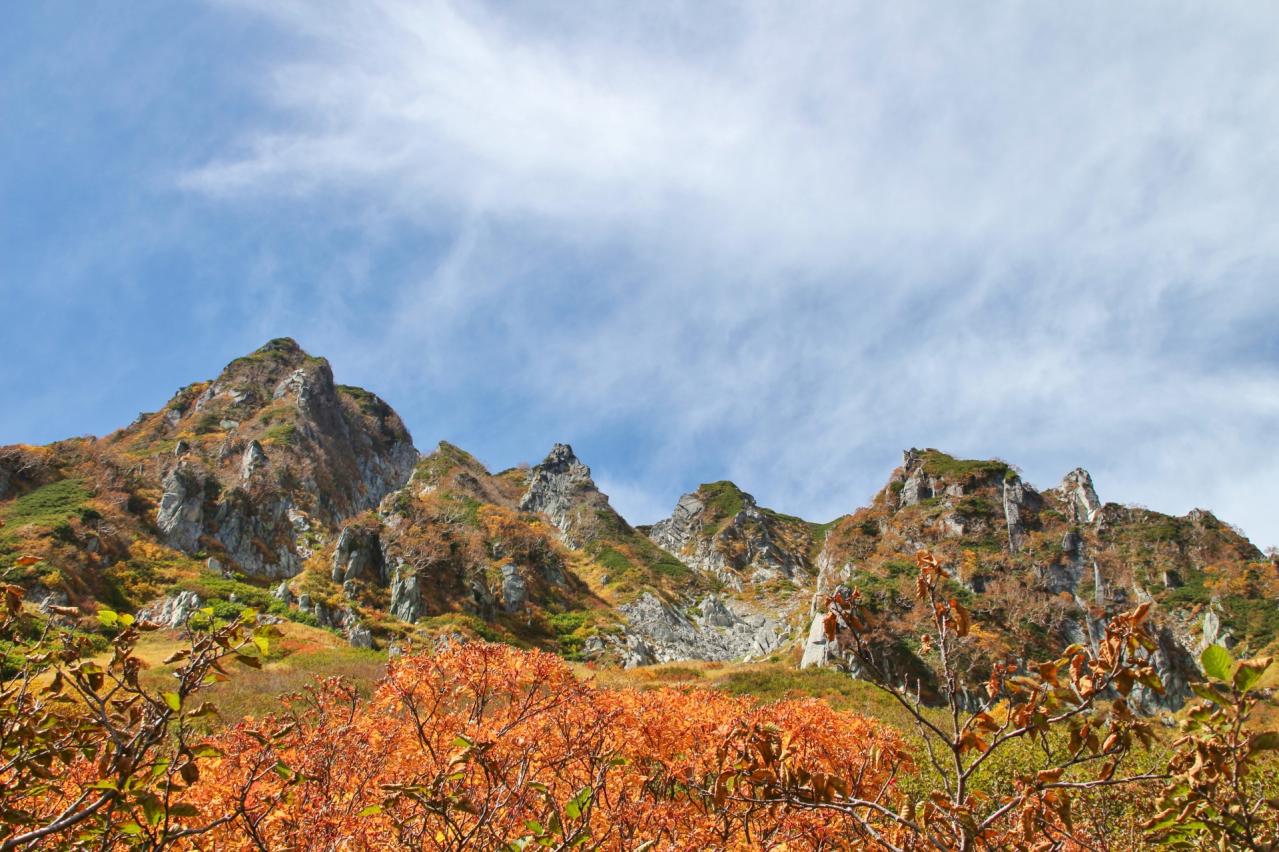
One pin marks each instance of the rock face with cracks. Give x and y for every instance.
(1054, 566)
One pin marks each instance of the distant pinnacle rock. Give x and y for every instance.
(254, 459)
(561, 488)
(1081, 496)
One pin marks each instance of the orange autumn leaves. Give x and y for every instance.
(486, 746)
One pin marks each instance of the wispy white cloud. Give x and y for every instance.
(785, 241)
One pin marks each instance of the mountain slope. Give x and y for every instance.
(273, 488)
(1041, 569)
(250, 472)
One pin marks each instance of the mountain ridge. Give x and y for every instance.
(273, 486)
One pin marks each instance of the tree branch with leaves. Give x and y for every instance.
(1074, 708)
(90, 756)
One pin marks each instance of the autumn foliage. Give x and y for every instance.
(485, 746)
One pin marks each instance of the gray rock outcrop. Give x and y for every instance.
(345, 620)
(257, 534)
(406, 593)
(657, 632)
(181, 514)
(817, 651)
(335, 452)
(561, 488)
(514, 589)
(359, 636)
(1018, 501)
(1081, 497)
(358, 556)
(284, 594)
(737, 549)
(254, 459)
(172, 611)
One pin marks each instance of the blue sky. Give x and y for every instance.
(776, 243)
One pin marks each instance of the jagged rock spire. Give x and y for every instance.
(1080, 496)
(561, 488)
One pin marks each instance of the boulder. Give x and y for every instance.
(283, 593)
(358, 556)
(514, 589)
(172, 611)
(359, 636)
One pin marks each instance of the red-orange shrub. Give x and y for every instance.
(486, 746)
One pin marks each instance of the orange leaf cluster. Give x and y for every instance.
(485, 746)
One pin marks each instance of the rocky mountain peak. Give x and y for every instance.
(562, 461)
(268, 448)
(561, 488)
(721, 531)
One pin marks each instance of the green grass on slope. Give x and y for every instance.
(940, 464)
(47, 508)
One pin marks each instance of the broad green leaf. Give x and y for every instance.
(1249, 672)
(1206, 692)
(173, 700)
(125, 618)
(131, 828)
(1217, 662)
(1245, 677)
(153, 809)
(573, 807)
(108, 617)
(370, 811)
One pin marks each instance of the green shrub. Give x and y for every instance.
(940, 464)
(668, 566)
(975, 507)
(615, 561)
(723, 498)
(368, 403)
(208, 422)
(47, 506)
(281, 433)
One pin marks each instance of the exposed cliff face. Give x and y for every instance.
(528, 552)
(562, 489)
(1041, 570)
(454, 541)
(720, 531)
(269, 446)
(657, 632)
